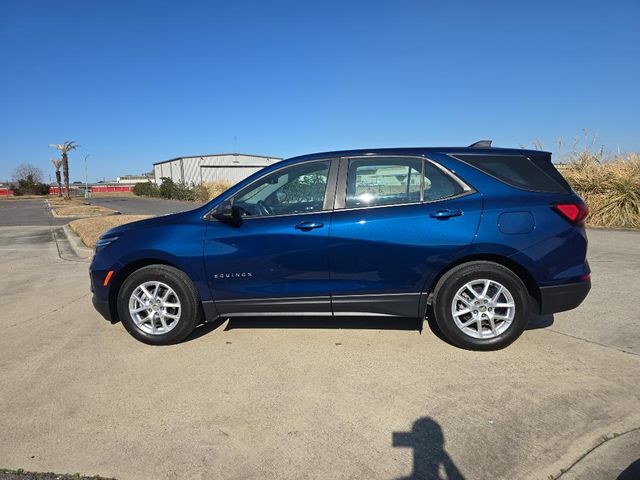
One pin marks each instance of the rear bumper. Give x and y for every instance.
(102, 307)
(559, 298)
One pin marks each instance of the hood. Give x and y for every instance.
(120, 229)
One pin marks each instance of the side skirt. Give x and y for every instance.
(384, 305)
(388, 304)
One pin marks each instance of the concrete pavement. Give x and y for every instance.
(616, 457)
(262, 399)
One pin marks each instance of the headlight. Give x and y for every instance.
(104, 242)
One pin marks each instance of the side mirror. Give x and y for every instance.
(226, 212)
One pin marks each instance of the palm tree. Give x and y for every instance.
(57, 163)
(65, 148)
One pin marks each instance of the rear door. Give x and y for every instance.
(397, 221)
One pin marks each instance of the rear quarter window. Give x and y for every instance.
(517, 171)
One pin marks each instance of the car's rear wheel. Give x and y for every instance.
(481, 306)
(159, 305)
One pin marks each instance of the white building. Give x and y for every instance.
(133, 179)
(225, 167)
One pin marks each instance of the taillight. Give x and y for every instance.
(574, 212)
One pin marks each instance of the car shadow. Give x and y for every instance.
(430, 458)
(632, 472)
(539, 321)
(203, 329)
(535, 322)
(338, 323)
(308, 322)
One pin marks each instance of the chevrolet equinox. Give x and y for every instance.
(476, 237)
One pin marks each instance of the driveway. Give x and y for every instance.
(287, 398)
(141, 205)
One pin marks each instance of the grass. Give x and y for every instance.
(213, 189)
(20, 474)
(82, 211)
(24, 197)
(111, 194)
(90, 229)
(77, 207)
(610, 185)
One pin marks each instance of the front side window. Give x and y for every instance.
(297, 189)
(395, 180)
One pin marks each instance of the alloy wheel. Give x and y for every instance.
(154, 308)
(483, 309)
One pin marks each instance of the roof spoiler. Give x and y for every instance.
(481, 144)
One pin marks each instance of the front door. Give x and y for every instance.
(275, 260)
(398, 221)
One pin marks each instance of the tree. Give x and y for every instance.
(57, 163)
(27, 171)
(65, 148)
(29, 180)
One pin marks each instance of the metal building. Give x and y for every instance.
(226, 167)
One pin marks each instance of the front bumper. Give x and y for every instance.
(559, 298)
(103, 308)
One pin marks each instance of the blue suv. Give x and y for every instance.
(475, 237)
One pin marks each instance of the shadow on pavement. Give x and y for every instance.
(535, 322)
(430, 459)
(632, 472)
(539, 321)
(203, 329)
(337, 322)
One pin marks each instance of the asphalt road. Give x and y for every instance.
(264, 399)
(140, 205)
(27, 213)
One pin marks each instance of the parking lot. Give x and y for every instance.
(292, 398)
(137, 205)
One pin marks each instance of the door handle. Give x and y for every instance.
(306, 226)
(444, 214)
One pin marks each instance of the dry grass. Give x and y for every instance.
(210, 190)
(61, 201)
(90, 229)
(610, 186)
(111, 194)
(23, 197)
(82, 211)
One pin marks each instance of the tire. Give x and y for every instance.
(491, 323)
(181, 301)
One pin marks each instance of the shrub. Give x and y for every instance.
(181, 191)
(29, 180)
(176, 191)
(146, 189)
(28, 186)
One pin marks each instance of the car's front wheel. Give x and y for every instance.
(481, 306)
(159, 305)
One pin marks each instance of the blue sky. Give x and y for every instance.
(135, 82)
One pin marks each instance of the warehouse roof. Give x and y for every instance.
(218, 155)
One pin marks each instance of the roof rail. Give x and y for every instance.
(481, 144)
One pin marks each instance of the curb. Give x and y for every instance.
(54, 214)
(76, 244)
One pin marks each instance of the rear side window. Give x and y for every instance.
(517, 171)
(396, 180)
(383, 181)
(543, 162)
